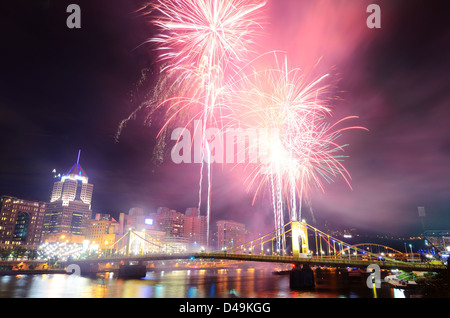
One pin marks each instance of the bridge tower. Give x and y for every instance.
(299, 238)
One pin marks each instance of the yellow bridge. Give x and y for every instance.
(296, 243)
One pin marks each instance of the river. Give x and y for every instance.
(249, 282)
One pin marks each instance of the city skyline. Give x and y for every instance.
(67, 90)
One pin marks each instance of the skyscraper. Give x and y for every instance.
(21, 221)
(171, 222)
(195, 229)
(230, 234)
(69, 209)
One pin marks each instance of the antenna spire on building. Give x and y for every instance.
(78, 159)
(76, 168)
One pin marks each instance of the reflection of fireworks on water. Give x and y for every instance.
(201, 41)
(300, 149)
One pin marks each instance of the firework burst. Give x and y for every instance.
(299, 148)
(208, 35)
(200, 41)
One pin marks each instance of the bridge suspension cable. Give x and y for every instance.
(291, 239)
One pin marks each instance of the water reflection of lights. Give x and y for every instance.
(398, 293)
(5, 279)
(231, 282)
(192, 292)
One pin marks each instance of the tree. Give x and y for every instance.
(18, 252)
(32, 254)
(4, 253)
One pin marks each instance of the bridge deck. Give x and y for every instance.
(315, 261)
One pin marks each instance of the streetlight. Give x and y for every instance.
(410, 246)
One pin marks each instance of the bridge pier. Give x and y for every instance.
(88, 269)
(301, 277)
(132, 271)
(342, 276)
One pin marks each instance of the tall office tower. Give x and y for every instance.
(69, 209)
(21, 221)
(230, 234)
(136, 220)
(102, 232)
(170, 221)
(195, 229)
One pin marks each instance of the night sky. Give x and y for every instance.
(67, 89)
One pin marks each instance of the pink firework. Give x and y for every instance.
(299, 149)
(205, 34)
(201, 41)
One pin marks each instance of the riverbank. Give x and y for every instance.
(436, 286)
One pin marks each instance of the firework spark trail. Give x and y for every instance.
(203, 40)
(205, 33)
(300, 149)
(280, 100)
